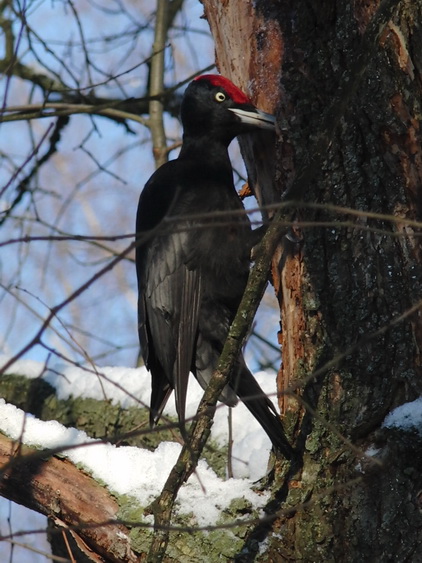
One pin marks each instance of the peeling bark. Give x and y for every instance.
(249, 51)
(70, 497)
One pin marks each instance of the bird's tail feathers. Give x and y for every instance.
(254, 398)
(159, 397)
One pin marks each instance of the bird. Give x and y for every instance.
(192, 263)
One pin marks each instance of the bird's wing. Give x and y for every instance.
(168, 315)
(190, 282)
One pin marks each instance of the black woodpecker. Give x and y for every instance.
(192, 266)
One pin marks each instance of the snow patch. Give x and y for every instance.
(132, 471)
(406, 417)
(132, 387)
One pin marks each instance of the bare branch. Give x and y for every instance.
(201, 427)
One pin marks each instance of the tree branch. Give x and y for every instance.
(201, 427)
(56, 488)
(156, 124)
(166, 12)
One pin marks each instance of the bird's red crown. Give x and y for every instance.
(233, 91)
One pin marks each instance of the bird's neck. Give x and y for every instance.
(210, 151)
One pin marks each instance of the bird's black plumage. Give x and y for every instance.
(192, 271)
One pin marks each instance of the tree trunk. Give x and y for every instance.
(345, 80)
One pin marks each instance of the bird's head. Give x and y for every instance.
(214, 106)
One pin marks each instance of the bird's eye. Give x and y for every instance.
(220, 97)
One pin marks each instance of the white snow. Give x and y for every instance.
(134, 471)
(372, 451)
(128, 470)
(407, 416)
(131, 387)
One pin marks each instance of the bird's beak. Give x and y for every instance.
(255, 117)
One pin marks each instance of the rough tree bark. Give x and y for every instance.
(345, 80)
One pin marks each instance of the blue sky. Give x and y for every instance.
(73, 196)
